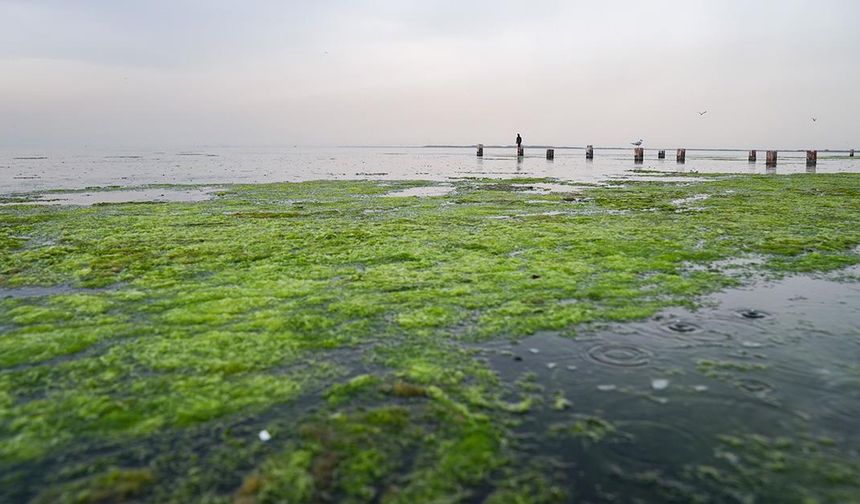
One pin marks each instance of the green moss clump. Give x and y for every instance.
(591, 428)
(724, 369)
(115, 485)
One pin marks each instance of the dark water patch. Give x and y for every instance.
(841, 398)
(789, 371)
(649, 443)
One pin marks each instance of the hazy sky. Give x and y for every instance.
(159, 73)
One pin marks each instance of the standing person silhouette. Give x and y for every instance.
(519, 141)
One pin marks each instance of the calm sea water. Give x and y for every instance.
(25, 171)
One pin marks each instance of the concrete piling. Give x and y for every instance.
(638, 154)
(681, 156)
(811, 157)
(771, 158)
(589, 152)
(753, 155)
(661, 154)
(550, 154)
(480, 150)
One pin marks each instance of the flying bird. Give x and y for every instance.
(637, 144)
(703, 113)
(814, 119)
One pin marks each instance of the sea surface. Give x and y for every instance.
(36, 170)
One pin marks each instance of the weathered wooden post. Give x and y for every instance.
(589, 152)
(681, 156)
(753, 155)
(661, 154)
(771, 158)
(480, 150)
(851, 154)
(521, 151)
(811, 157)
(550, 153)
(638, 154)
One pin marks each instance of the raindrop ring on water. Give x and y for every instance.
(619, 355)
(752, 314)
(683, 327)
(754, 386)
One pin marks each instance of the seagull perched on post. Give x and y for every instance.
(637, 144)
(703, 113)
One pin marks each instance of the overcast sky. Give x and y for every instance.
(159, 73)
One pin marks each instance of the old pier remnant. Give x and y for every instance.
(661, 154)
(589, 152)
(550, 153)
(772, 156)
(681, 156)
(638, 154)
(811, 157)
(480, 150)
(753, 156)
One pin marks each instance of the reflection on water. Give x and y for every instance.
(777, 361)
(87, 198)
(23, 172)
(422, 192)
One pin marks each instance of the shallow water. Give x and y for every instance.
(87, 198)
(778, 359)
(39, 171)
(422, 192)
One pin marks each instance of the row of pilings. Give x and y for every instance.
(771, 158)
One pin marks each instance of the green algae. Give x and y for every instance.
(590, 428)
(799, 470)
(724, 369)
(115, 485)
(269, 295)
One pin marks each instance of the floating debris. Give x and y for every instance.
(659, 384)
(265, 436)
(561, 403)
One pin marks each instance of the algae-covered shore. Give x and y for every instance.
(144, 346)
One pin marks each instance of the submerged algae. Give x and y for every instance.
(225, 309)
